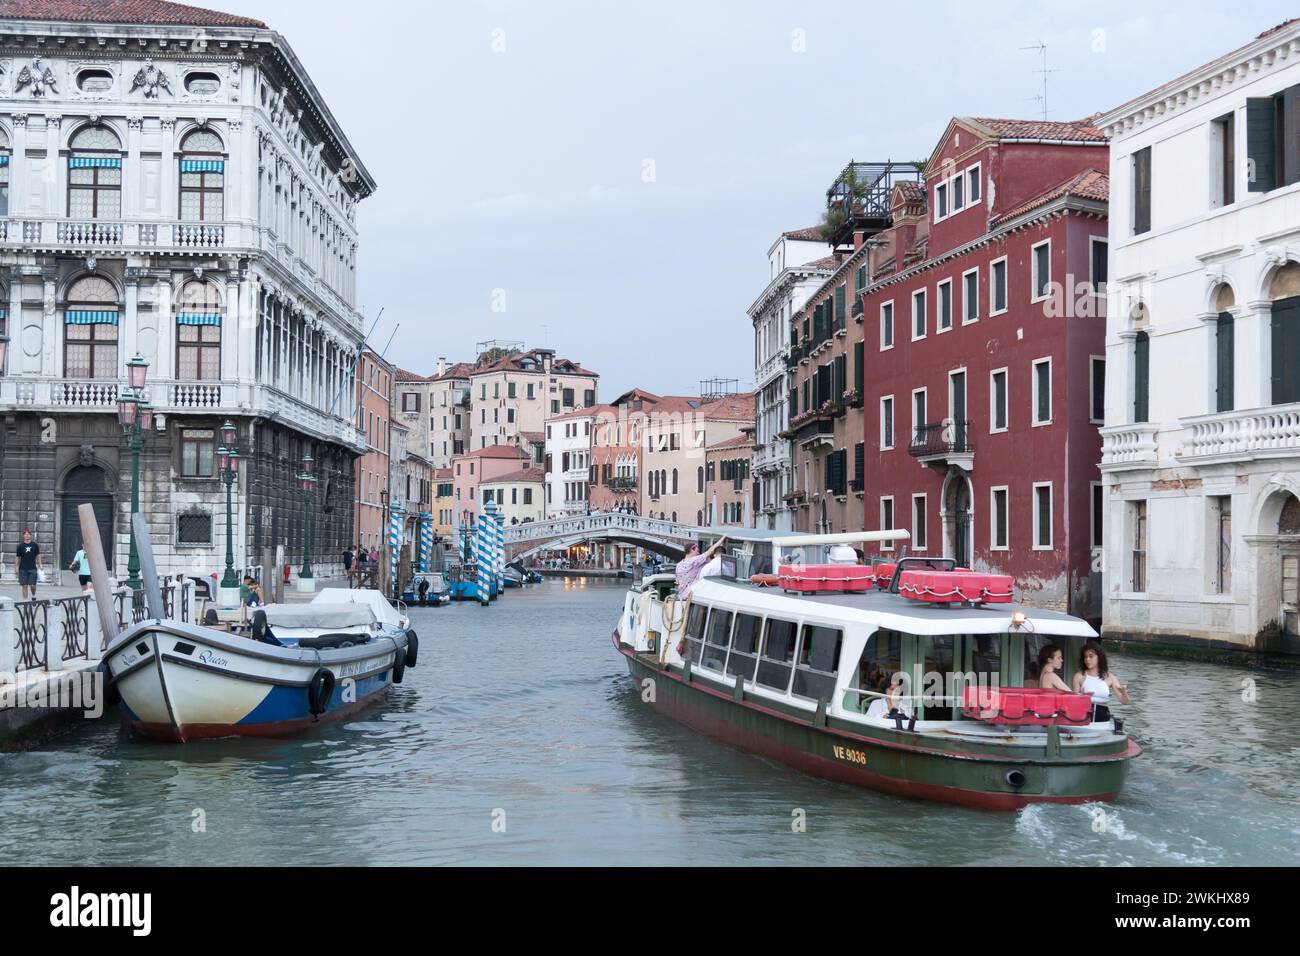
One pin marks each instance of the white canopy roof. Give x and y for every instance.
(378, 604)
(319, 615)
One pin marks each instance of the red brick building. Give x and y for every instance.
(984, 346)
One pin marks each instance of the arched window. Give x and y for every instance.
(95, 175)
(198, 333)
(674, 484)
(4, 174)
(699, 518)
(1225, 351)
(699, 479)
(203, 177)
(90, 330)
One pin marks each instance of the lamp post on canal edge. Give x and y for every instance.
(228, 469)
(135, 416)
(306, 581)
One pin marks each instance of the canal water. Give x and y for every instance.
(519, 739)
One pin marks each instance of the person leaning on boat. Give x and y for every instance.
(691, 567)
(1050, 661)
(1095, 679)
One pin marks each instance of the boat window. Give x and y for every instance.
(819, 662)
(981, 664)
(1070, 647)
(774, 665)
(744, 646)
(881, 659)
(938, 659)
(715, 648)
(695, 631)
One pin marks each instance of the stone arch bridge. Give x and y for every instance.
(668, 538)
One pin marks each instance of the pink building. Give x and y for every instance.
(470, 471)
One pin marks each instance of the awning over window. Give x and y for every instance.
(198, 318)
(203, 165)
(94, 162)
(91, 317)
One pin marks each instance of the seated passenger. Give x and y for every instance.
(1050, 661)
(891, 706)
(1095, 679)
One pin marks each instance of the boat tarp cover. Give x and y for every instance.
(378, 604)
(324, 616)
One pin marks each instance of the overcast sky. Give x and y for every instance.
(512, 143)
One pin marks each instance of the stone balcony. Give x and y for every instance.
(1246, 434)
(1125, 447)
(56, 234)
(178, 396)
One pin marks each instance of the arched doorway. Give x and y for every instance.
(85, 484)
(957, 519)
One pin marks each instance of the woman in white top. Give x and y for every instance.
(1094, 678)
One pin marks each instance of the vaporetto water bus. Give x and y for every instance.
(800, 666)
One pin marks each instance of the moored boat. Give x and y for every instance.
(834, 670)
(303, 664)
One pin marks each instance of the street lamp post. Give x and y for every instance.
(306, 581)
(228, 469)
(135, 416)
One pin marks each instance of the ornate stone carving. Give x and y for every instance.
(53, 120)
(38, 76)
(87, 456)
(19, 119)
(168, 124)
(151, 80)
(135, 122)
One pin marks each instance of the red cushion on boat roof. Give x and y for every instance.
(814, 578)
(947, 587)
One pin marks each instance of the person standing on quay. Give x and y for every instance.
(27, 563)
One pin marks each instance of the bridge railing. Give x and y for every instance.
(593, 523)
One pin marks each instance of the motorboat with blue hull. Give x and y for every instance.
(303, 664)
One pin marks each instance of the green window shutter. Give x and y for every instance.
(839, 303)
(858, 357)
(1261, 143)
(1224, 396)
(1288, 133)
(859, 458)
(841, 378)
(1141, 377)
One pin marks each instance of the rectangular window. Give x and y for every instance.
(886, 326)
(1141, 172)
(998, 518)
(887, 423)
(1221, 517)
(998, 400)
(973, 184)
(970, 296)
(940, 201)
(530, 390)
(743, 658)
(717, 637)
(819, 656)
(944, 321)
(567, 395)
(1097, 389)
(1042, 516)
(1042, 391)
(918, 523)
(1138, 532)
(887, 520)
(1098, 514)
(777, 659)
(198, 352)
(918, 413)
(958, 194)
(998, 286)
(1042, 269)
(1272, 149)
(1223, 161)
(918, 314)
(198, 450)
(1098, 266)
(1141, 377)
(510, 389)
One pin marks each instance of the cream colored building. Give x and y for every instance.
(520, 495)
(678, 431)
(517, 392)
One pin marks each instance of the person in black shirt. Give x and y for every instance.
(26, 564)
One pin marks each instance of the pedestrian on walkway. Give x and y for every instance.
(81, 564)
(28, 564)
(349, 564)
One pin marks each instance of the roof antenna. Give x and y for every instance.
(1041, 47)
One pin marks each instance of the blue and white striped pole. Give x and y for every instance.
(483, 552)
(426, 541)
(499, 551)
(395, 522)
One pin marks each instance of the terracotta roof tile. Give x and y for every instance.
(1089, 184)
(826, 262)
(123, 11)
(740, 441)
(495, 451)
(588, 411)
(459, 370)
(1079, 131)
(524, 474)
(809, 233)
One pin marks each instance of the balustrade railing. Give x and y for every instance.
(1245, 432)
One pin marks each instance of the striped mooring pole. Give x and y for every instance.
(483, 552)
(499, 550)
(426, 541)
(395, 522)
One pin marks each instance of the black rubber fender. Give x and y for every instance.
(259, 625)
(399, 666)
(210, 617)
(319, 691)
(112, 696)
(412, 647)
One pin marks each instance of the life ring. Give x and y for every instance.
(412, 647)
(319, 691)
(763, 580)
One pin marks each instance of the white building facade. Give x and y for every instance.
(175, 187)
(1201, 457)
(567, 463)
(794, 273)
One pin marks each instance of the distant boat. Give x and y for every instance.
(303, 664)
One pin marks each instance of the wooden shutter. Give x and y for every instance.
(839, 304)
(1287, 131)
(1286, 351)
(1224, 348)
(1261, 144)
(1142, 191)
(859, 457)
(840, 379)
(858, 355)
(1141, 377)
(794, 403)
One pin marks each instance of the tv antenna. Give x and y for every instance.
(1041, 47)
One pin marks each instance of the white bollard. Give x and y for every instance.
(94, 631)
(8, 645)
(54, 636)
(188, 589)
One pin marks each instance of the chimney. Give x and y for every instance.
(442, 364)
